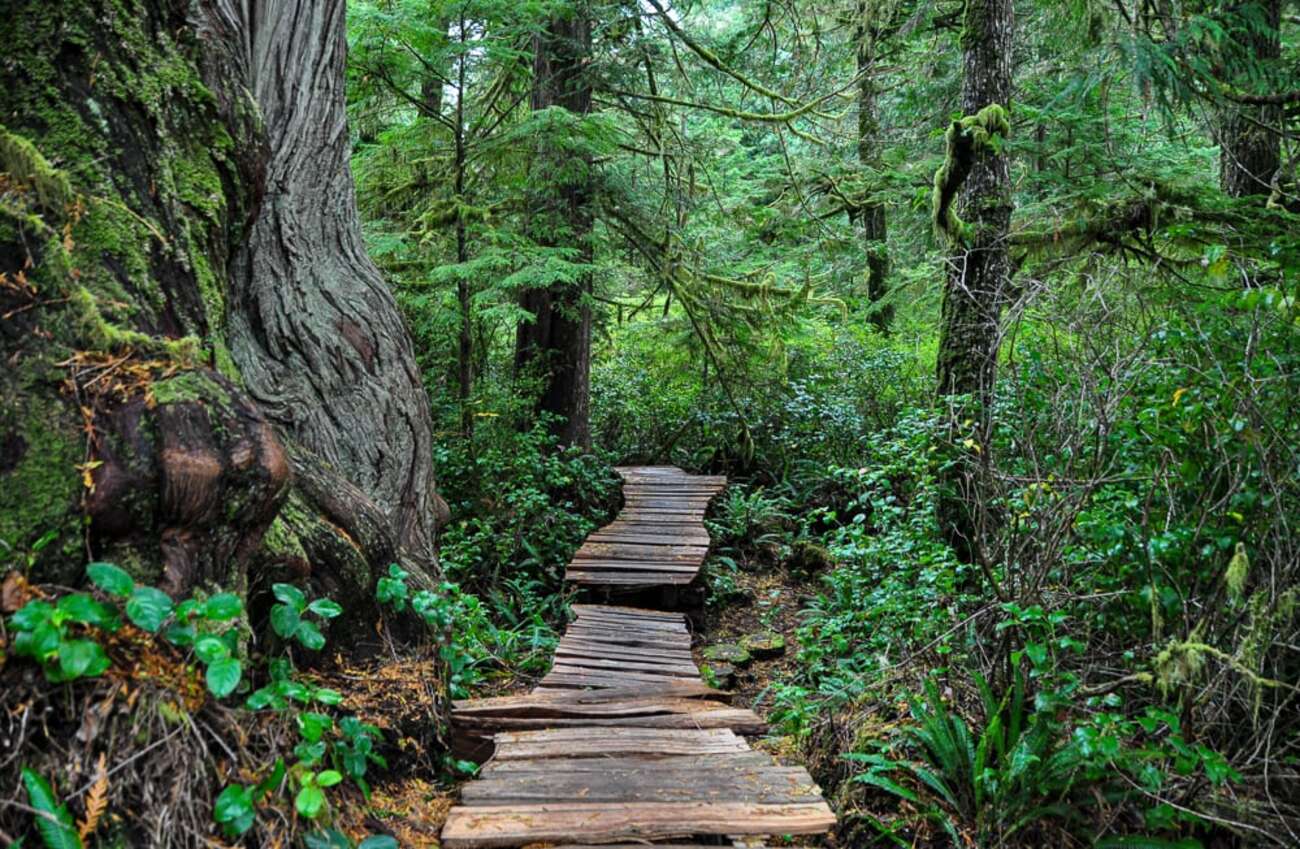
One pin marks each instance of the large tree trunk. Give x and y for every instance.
(557, 343)
(196, 313)
(1249, 136)
(978, 265)
(313, 329)
(871, 216)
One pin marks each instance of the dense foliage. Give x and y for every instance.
(753, 221)
(1125, 630)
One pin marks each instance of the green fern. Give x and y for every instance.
(53, 821)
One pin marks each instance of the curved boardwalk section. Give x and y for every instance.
(658, 539)
(622, 741)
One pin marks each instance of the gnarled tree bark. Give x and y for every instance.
(186, 307)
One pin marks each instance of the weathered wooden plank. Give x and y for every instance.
(634, 654)
(564, 675)
(628, 734)
(647, 538)
(633, 612)
(587, 615)
(514, 825)
(642, 742)
(604, 677)
(591, 648)
(679, 670)
(683, 554)
(628, 638)
(666, 566)
(624, 578)
(644, 706)
(669, 689)
(740, 720)
(675, 764)
(778, 785)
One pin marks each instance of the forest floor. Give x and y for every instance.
(412, 799)
(396, 694)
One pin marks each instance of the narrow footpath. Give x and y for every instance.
(622, 740)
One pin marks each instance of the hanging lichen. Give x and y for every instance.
(1238, 567)
(967, 139)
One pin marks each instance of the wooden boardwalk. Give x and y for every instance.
(622, 741)
(658, 539)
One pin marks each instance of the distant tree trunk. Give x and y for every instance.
(203, 317)
(465, 346)
(1249, 136)
(871, 215)
(978, 264)
(557, 343)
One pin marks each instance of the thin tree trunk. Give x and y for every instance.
(871, 216)
(978, 269)
(1249, 137)
(465, 348)
(557, 343)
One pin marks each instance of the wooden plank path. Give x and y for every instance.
(621, 742)
(658, 539)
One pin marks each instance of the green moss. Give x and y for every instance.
(281, 541)
(966, 139)
(39, 494)
(24, 164)
(137, 208)
(97, 333)
(189, 386)
(224, 362)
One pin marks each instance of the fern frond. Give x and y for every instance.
(96, 800)
(53, 821)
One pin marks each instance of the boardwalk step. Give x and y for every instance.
(621, 743)
(518, 824)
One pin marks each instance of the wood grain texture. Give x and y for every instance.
(621, 740)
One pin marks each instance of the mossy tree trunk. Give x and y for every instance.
(870, 216)
(978, 267)
(1250, 136)
(556, 344)
(207, 377)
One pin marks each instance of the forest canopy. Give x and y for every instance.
(326, 322)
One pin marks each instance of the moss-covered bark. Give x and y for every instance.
(972, 212)
(135, 176)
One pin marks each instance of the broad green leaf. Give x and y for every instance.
(284, 620)
(222, 607)
(309, 801)
(310, 636)
(378, 841)
(325, 608)
(38, 643)
(312, 726)
(328, 839)
(32, 615)
(223, 676)
(290, 595)
(113, 580)
(234, 810)
(83, 608)
(211, 649)
(329, 777)
(78, 658)
(148, 608)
